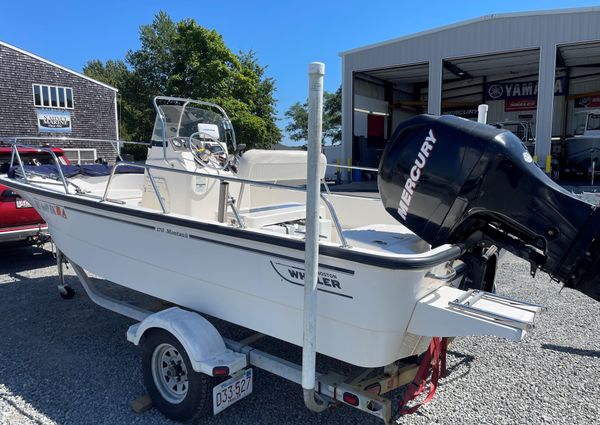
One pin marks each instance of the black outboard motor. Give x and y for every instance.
(451, 180)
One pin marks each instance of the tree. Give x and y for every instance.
(297, 114)
(185, 59)
(116, 74)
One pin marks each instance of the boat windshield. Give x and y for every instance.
(593, 122)
(523, 130)
(183, 118)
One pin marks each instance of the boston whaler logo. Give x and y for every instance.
(326, 281)
(415, 174)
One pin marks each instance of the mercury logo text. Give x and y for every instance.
(415, 174)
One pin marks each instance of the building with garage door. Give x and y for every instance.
(534, 69)
(43, 99)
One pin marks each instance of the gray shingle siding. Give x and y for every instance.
(93, 114)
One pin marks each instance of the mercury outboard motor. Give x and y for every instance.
(451, 180)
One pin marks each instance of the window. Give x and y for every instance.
(37, 95)
(61, 99)
(81, 156)
(45, 97)
(52, 96)
(69, 98)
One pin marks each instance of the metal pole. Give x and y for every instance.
(223, 201)
(59, 265)
(482, 111)
(316, 71)
(117, 127)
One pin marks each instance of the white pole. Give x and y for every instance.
(316, 71)
(482, 111)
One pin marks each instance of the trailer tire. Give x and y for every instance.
(66, 292)
(176, 390)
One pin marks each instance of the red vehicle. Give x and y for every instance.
(19, 222)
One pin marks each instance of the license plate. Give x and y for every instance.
(232, 390)
(22, 203)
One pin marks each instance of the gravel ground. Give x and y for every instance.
(68, 362)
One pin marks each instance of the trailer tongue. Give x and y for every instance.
(451, 180)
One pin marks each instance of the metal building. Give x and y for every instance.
(537, 68)
(43, 99)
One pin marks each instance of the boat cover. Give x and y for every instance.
(90, 170)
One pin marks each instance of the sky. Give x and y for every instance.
(286, 35)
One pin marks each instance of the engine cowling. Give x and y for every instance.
(451, 180)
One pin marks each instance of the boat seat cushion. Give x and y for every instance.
(274, 214)
(276, 165)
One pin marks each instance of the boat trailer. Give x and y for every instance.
(364, 388)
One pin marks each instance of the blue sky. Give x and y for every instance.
(286, 35)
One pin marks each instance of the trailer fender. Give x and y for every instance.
(202, 342)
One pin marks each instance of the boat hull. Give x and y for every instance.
(582, 151)
(246, 282)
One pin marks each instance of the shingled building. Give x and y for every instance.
(43, 99)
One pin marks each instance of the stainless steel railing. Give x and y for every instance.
(148, 168)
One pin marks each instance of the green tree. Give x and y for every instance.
(297, 114)
(116, 74)
(187, 60)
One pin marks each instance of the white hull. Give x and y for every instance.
(243, 282)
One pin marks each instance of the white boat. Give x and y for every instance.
(222, 234)
(583, 148)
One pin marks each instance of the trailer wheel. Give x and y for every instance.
(66, 292)
(176, 390)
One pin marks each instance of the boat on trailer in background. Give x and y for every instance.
(218, 231)
(583, 148)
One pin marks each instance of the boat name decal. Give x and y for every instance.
(172, 232)
(415, 174)
(326, 281)
(50, 209)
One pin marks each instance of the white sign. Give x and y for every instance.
(53, 121)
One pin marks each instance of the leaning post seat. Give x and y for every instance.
(264, 206)
(276, 165)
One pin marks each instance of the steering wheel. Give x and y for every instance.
(208, 151)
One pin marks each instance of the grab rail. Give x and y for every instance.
(241, 180)
(353, 167)
(149, 167)
(114, 143)
(15, 152)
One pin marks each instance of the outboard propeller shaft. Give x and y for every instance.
(451, 180)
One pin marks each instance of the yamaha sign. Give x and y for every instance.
(521, 89)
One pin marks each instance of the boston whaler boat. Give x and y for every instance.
(229, 235)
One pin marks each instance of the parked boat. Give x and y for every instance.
(583, 149)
